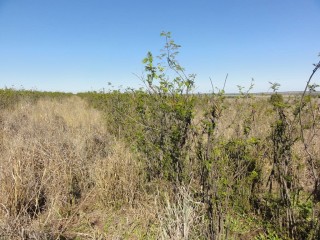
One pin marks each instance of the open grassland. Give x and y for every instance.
(143, 166)
(62, 176)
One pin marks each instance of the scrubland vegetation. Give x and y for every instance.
(159, 162)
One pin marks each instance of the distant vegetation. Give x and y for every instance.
(9, 97)
(160, 162)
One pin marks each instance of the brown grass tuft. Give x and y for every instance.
(60, 171)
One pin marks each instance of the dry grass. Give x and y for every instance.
(180, 218)
(61, 174)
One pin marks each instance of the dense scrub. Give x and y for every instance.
(234, 168)
(245, 171)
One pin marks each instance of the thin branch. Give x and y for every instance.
(317, 66)
(211, 84)
(225, 81)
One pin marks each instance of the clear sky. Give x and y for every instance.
(81, 45)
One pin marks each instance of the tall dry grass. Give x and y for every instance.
(62, 176)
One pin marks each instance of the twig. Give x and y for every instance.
(225, 81)
(317, 66)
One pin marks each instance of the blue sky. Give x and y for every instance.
(81, 45)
